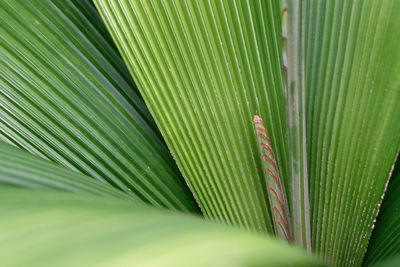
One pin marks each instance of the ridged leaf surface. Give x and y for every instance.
(385, 239)
(205, 68)
(19, 168)
(67, 97)
(353, 130)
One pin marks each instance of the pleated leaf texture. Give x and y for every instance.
(385, 239)
(67, 97)
(352, 81)
(62, 229)
(204, 69)
(22, 169)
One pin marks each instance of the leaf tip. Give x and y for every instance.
(257, 119)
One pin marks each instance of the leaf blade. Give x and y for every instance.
(19, 168)
(352, 101)
(64, 229)
(201, 83)
(385, 237)
(67, 97)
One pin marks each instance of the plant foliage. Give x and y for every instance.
(86, 172)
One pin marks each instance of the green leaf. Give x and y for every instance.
(204, 69)
(385, 239)
(63, 229)
(19, 168)
(67, 97)
(390, 262)
(353, 101)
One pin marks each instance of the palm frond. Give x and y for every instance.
(19, 168)
(204, 69)
(67, 97)
(353, 101)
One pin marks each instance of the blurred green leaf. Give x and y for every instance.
(62, 229)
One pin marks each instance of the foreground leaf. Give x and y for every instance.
(19, 168)
(66, 96)
(353, 130)
(204, 69)
(63, 229)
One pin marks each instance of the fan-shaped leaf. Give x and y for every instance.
(66, 96)
(204, 69)
(353, 130)
(18, 167)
